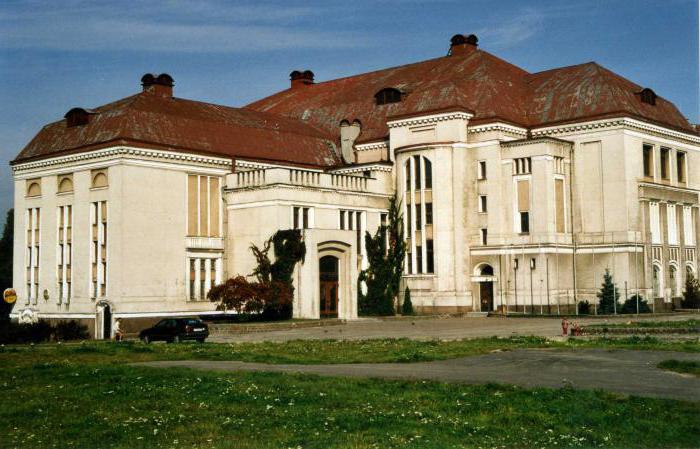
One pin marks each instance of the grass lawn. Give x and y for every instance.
(63, 404)
(671, 324)
(315, 351)
(681, 366)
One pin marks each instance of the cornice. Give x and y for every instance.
(372, 146)
(120, 152)
(497, 126)
(623, 122)
(363, 168)
(429, 119)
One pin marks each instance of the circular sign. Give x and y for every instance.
(9, 295)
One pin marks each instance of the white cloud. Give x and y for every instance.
(174, 25)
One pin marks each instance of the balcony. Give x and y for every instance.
(211, 243)
(304, 178)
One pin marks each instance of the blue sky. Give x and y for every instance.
(55, 55)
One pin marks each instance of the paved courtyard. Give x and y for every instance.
(433, 328)
(626, 372)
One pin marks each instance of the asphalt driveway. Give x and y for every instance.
(621, 371)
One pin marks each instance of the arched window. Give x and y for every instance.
(387, 95)
(65, 184)
(418, 215)
(675, 281)
(34, 187)
(99, 179)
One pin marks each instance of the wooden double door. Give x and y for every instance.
(328, 280)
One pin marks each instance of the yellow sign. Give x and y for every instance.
(9, 295)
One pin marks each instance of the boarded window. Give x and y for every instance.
(559, 205)
(523, 195)
(65, 184)
(34, 187)
(203, 206)
(99, 179)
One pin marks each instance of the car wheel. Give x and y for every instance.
(176, 339)
(146, 339)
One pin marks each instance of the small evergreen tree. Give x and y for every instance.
(691, 295)
(630, 306)
(608, 295)
(407, 306)
(385, 253)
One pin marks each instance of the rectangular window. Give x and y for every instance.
(33, 253)
(428, 213)
(64, 253)
(665, 156)
(98, 254)
(484, 236)
(342, 219)
(305, 217)
(680, 166)
(648, 155)
(654, 223)
(688, 226)
(560, 214)
(483, 206)
(419, 259)
(192, 278)
(559, 165)
(295, 212)
(419, 224)
(524, 222)
(671, 224)
(481, 170)
(203, 206)
(522, 166)
(430, 262)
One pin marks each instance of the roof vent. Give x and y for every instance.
(301, 79)
(161, 85)
(647, 96)
(462, 45)
(77, 117)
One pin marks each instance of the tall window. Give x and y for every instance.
(483, 205)
(33, 253)
(418, 213)
(654, 223)
(204, 273)
(648, 160)
(302, 217)
(688, 226)
(203, 206)
(481, 170)
(671, 224)
(98, 252)
(522, 219)
(680, 166)
(665, 156)
(355, 220)
(484, 236)
(560, 206)
(657, 285)
(64, 253)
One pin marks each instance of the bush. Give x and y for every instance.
(691, 295)
(70, 330)
(11, 332)
(407, 306)
(584, 308)
(630, 306)
(271, 299)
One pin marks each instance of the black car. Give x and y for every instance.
(175, 330)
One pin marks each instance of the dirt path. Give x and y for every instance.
(627, 372)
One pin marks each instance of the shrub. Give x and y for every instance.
(11, 332)
(407, 306)
(630, 306)
(71, 330)
(584, 308)
(691, 295)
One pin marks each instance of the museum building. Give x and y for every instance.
(518, 191)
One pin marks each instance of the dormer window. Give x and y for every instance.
(77, 117)
(647, 96)
(388, 95)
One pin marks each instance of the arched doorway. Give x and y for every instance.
(486, 289)
(106, 321)
(328, 280)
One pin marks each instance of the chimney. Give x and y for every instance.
(161, 85)
(463, 45)
(301, 79)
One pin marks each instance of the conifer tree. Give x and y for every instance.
(407, 306)
(691, 295)
(608, 295)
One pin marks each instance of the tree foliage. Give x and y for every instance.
(6, 254)
(608, 295)
(691, 294)
(407, 306)
(630, 306)
(272, 293)
(385, 253)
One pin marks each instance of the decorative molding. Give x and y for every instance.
(255, 165)
(623, 122)
(428, 119)
(372, 146)
(120, 152)
(363, 168)
(497, 126)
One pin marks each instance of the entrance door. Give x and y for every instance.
(328, 279)
(106, 322)
(486, 293)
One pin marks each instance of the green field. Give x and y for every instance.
(692, 323)
(85, 396)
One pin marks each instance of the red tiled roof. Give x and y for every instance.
(151, 120)
(477, 81)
